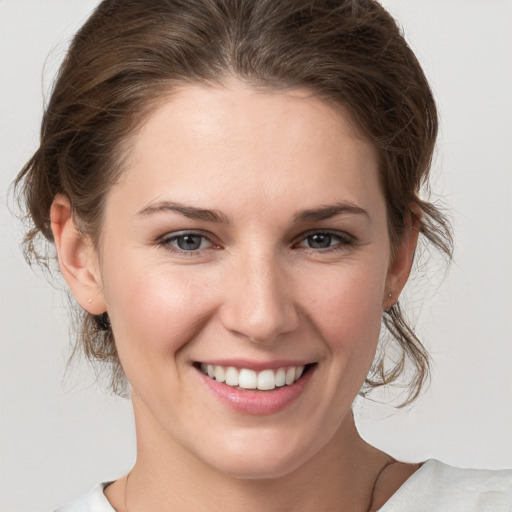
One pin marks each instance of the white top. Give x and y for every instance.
(435, 487)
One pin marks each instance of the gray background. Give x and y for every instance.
(60, 435)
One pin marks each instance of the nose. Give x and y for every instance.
(258, 302)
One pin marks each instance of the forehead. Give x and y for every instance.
(240, 139)
(211, 112)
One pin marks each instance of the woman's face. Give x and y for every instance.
(248, 234)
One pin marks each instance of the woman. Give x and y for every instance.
(232, 190)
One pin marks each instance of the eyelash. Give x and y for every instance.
(167, 242)
(342, 240)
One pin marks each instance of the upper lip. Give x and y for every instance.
(257, 366)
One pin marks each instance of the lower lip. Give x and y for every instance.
(257, 402)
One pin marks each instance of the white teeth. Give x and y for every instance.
(266, 380)
(290, 375)
(280, 377)
(232, 376)
(244, 378)
(248, 379)
(220, 373)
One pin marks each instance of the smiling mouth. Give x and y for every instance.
(244, 378)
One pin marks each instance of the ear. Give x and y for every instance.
(77, 258)
(401, 264)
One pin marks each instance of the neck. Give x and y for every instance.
(166, 477)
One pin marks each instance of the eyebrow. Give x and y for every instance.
(188, 211)
(329, 211)
(203, 214)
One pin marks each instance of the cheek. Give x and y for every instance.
(346, 308)
(154, 312)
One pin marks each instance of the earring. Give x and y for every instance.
(390, 296)
(89, 301)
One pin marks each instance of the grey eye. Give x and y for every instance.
(189, 242)
(319, 241)
(186, 242)
(322, 240)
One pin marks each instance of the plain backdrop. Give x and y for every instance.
(61, 435)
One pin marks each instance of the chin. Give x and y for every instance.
(269, 467)
(261, 457)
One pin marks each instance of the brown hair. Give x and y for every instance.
(132, 52)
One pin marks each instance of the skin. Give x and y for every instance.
(255, 289)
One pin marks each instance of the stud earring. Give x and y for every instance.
(89, 301)
(390, 297)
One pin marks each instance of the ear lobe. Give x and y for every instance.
(77, 258)
(400, 267)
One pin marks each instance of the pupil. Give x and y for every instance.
(189, 242)
(320, 241)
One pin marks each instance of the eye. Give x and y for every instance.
(319, 240)
(186, 242)
(189, 242)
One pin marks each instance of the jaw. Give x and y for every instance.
(264, 478)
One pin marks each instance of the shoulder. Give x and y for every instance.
(449, 480)
(438, 486)
(93, 501)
